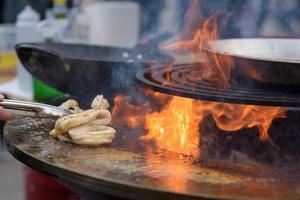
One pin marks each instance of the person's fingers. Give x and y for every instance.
(1, 97)
(5, 115)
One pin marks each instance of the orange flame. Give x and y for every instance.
(216, 67)
(230, 117)
(209, 31)
(176, 126)
(132, 115)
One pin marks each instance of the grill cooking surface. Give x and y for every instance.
(183, 80)
(122, 172)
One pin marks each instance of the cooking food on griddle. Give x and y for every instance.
(85, 127)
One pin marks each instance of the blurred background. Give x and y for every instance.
(119, 23)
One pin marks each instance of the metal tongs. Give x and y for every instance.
(32, 109)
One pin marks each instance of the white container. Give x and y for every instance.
(26, 31)
(7, 37)
(113, 23)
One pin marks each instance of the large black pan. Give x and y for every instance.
(83, 70)
(268, 60)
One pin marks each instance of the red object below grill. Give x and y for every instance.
(39, 186)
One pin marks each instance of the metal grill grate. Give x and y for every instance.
(182, 80)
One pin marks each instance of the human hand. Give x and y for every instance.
(4, 114)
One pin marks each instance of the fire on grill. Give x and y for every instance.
(195, 127)
(206, 129)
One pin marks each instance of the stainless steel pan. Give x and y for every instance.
(268, 60)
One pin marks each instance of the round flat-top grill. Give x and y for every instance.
(118, 171)
(183, 80)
